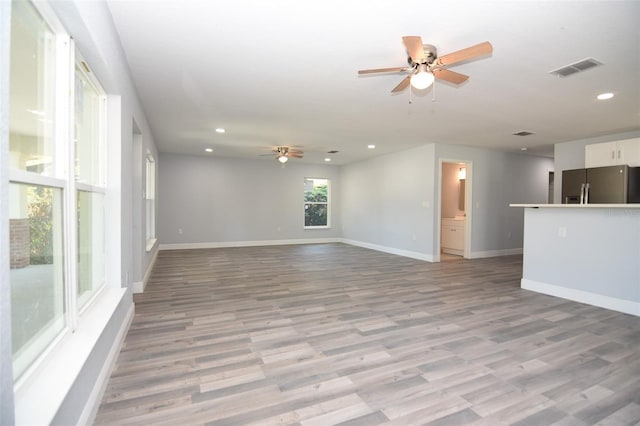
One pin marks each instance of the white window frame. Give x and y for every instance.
(62, 150)
(99, 187)
(42, 388)
(150, 201)
(328, 204)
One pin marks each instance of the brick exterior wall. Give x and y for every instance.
(19, 242)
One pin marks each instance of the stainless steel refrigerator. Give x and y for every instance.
(601, 185)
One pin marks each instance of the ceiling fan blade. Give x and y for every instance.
(294, 155)
(414, 48)
(377, 70)
(465, 54)
(403, 84)
(450, 76)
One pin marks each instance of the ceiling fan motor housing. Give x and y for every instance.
(430, 55)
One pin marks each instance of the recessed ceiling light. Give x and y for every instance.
(523, 149)
(604, 96)
(220, 130)
(371, 146)
(327, 159)
(209, 149)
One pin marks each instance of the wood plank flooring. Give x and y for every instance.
(334, 334)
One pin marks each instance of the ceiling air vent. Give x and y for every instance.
(523, 133)
(332, 152)
(576, 67)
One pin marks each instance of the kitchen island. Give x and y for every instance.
(586, 253)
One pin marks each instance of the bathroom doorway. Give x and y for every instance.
(455, 210)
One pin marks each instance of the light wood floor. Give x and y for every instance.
(334, 334)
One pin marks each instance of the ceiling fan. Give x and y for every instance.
(425, 65)
(283, 153)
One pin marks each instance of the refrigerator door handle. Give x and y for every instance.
(582, 194)
(586, 193)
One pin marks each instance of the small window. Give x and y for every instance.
(150, 201)
(316, 203)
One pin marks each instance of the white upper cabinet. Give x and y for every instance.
(613, 153)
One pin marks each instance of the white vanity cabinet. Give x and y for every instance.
(452, 236)
(613, 153)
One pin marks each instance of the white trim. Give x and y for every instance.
(578, 206)
(150, 243)
(189, 246)
(453, 251)
(621, 305)
(30, 178)
(39, 396)
(139, 286)
(495, 253)
(391, 250)
(90, 410)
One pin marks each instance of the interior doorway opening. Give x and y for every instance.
(455, 210)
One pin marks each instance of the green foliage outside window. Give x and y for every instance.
(40, 224)
(316, 203)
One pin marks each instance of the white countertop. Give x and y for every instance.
(579, 206)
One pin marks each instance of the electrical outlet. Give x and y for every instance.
(562, 232)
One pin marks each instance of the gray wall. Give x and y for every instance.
(570, 155)
(225, 200)
(499, 179)
(600, 253)
(389, 200)
(452, 189)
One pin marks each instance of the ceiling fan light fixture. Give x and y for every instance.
(422, 79)
(283, 159)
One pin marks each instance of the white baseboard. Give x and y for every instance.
(189, 246)
(139, 286)
(391, 250)
(607, 302)
(90, 410)
(453, 251)
(495, 253)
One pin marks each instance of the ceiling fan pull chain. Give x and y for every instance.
(433, 91)
(410, 93)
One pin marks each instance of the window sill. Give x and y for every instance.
(317, 227)
(150, 244)
(40, 394)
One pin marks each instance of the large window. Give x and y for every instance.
(33, 105)
(316, 203)
(57, 190)
(37, 278)
(89, 143)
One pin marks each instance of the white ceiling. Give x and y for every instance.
(284, 72)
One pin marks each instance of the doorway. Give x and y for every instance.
(454, 215)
